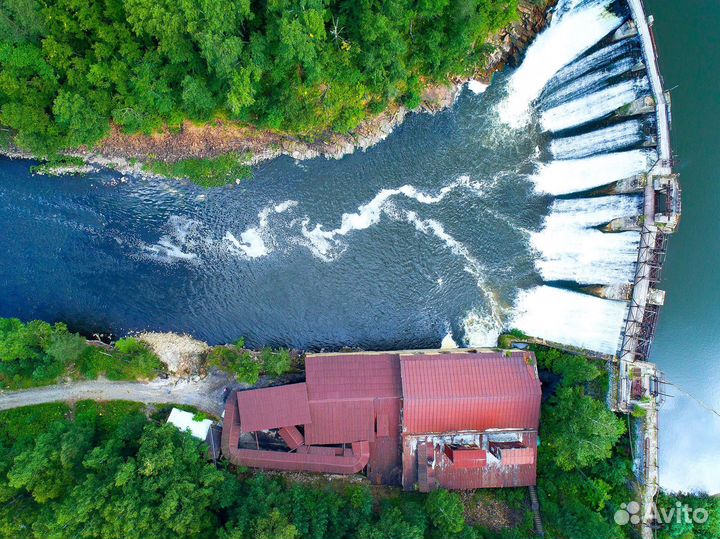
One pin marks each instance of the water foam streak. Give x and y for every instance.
(492, 322)
(324, 243)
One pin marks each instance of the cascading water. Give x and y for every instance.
(571, 248)
(570, 317)
(608, 139)
(426, 237)
(593, 106)
(586, 99)
(606, 56)
(593, 82)
(578, 27)
(561, 177)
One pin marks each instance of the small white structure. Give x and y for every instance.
(184, 421)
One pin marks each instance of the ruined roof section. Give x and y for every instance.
(342, 392)
(273, 407)
(460, 392)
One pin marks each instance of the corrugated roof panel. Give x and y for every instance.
(449, 392)
(352, 376)
(273, 407)
(344, 421)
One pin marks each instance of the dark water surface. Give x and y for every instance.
(386, 249)
(687, 346)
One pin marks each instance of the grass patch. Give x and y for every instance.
(211, 172)
(506, 339)
(107, 415)
(51, 165)
(162, 412)
(247, 366)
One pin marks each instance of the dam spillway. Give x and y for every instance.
(607, 120)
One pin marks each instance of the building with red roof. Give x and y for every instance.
(425, 420)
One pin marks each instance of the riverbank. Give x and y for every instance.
(136, 154)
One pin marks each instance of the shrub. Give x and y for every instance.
(446, 511)
(240, 363)
(575, 369)
(133, 360)
(36, 353)
(276, 362)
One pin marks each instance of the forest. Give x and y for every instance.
(69, 69)
(104, 470)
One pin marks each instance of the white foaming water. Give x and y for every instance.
(324, 243)
(568, 36)
(595, 60)
(572, 175)
(176, 244)
(480, 330)
(593, 106)
(476, 86)
(571, 249)
(570, 318)
(487, 327)
(603, 140)
(591, 82)
(448, 343)
(253, 242)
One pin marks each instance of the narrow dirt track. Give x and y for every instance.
(205, 394)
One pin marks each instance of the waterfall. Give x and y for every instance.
(591, 82)
(574, 175)
(608, 139)
(572, 249)
(576, 28)
(593, 106)
(570, 318)
(576, 80)
(596, 60)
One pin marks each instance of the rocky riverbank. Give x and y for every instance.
(126, 153)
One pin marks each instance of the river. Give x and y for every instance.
(483, 217)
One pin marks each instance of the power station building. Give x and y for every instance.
(460, 420)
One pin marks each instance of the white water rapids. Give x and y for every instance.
(564, 129)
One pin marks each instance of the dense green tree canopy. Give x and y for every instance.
(38, 353)
(581, 430)
(68, 67)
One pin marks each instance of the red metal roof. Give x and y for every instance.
(273, 407)
(336, 422)
(428, 465)
(352, 376)
(462, 457)
(342, 390)
(292, 437)
(461, 392)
